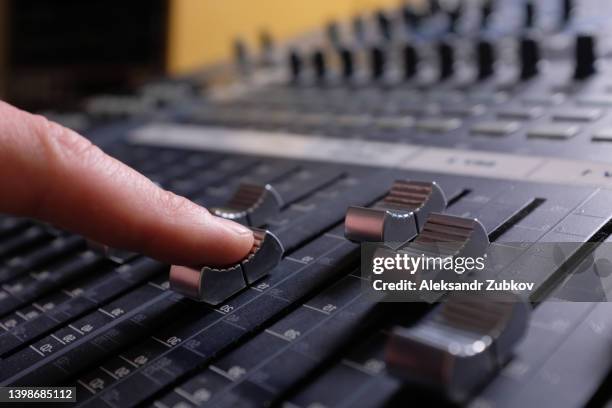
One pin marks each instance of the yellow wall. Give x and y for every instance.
(202, 31)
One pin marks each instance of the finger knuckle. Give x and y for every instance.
(173, 204)
(62, 144)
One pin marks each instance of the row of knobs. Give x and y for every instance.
(528, 56)
(413, 20)
(383, 29)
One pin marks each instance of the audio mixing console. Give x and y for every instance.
(483, 123)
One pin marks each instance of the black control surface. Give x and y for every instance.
(515, 79)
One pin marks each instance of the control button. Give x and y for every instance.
(411, 17)
(313, 119)
(543, 99)
(595, 100)
(436, 125)
(410, 61)
(434, 7)
(463, 111)
(347, 63)
(529, 14)
(215, 285)
(449, 235)
(577, 114)
(567, 8)
(119, 256)
(265, 254)
(378, 60)
(333, 34)
(487, 97)
(454, 11)
(485, 54)
(251, 204)
(585, 57)
(495, 128)
(460, 345)
(529, 56)
(520, 113)
(398, 217)
(602, 135)
(241, 56)
(266, 44)
(353, 121)
(553, 131)
(319, 65)
(359, 30)
(446, 60)
(486, 9)
(394, 122)
(295, 66)
(385, 27)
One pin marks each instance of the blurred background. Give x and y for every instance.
(54, 54)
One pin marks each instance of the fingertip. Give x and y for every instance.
(237, 239)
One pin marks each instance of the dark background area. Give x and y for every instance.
(56, 53)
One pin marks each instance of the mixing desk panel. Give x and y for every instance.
(487, 121)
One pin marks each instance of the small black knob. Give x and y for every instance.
(378, 60)
(410, 61)
(359, 29)
(241, 56)
(347, 63)
(486, 10)
(434, 7)
(266, 44)
(385, 27)
(320, 65)
(585, 57)
(446, 56)
(486, 59)
(529, 58)
(411, 17)
(529, 14)
(567, 7)
(295, 65)
(453, 10)
(333, 34)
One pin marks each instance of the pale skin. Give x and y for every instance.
(51, 173)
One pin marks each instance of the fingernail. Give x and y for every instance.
(234, 226)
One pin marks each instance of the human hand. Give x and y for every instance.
(53, 174)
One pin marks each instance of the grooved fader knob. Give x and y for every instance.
(251, 204)
(459, 345)
(448, 235)
(214, 285)
(399, 216)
